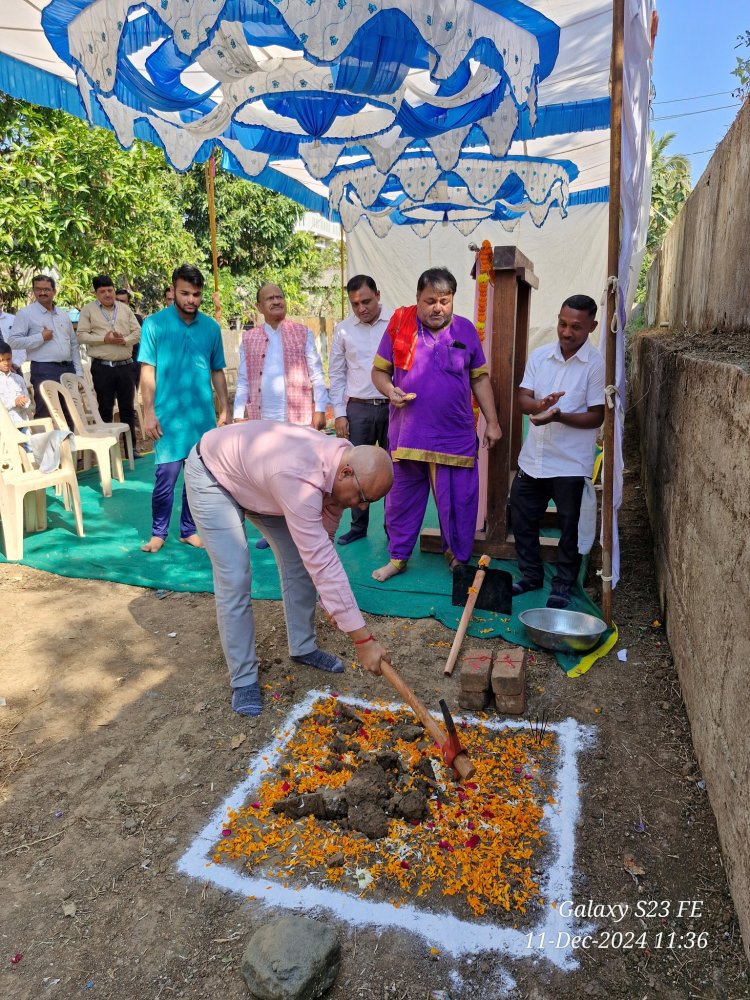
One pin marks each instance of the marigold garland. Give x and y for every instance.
(476, 842)
(485, 277)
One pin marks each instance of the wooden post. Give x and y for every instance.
(210, 169)
(613, 260)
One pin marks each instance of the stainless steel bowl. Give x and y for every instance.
(563, 631)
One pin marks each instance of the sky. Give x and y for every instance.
(694, 56)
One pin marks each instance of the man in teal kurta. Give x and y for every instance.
(182, 363)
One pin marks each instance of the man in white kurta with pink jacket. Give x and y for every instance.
(294, 484)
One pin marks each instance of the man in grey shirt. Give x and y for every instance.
(46, 334)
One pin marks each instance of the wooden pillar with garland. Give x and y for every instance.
(504, 332)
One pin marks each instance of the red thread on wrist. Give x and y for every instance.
(361, 642)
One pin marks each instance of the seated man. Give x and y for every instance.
(562, 391)
(428, 365)
(293, 484)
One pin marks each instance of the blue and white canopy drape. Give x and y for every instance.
(396, 111)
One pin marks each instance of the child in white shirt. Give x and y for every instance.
(13, 392)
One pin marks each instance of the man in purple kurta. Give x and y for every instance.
(428, 364)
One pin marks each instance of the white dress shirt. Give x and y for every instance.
(555, 449)
(353, 349)
(26, 335)
(273, 384)
(11, 387)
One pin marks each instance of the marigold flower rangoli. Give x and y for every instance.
(476, 847)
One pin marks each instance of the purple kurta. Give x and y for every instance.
(437, 426)
(432, 440)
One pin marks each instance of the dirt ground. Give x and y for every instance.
(116, 743)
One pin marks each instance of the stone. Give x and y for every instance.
(411, 806)
(292, 958)
(407, 732)
(295, 806)
(334, 803)
(368, 784)
(508, 670)
(473, 701)
(389, 760)
(369, 819)
(511, 704)
(425, 768)
(344, 711)
(475, 671)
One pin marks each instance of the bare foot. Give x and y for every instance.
(387, 571)
(153, 545)
(193, 540)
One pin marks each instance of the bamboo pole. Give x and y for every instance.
(210, 169)
(341, 267)
(613, 257)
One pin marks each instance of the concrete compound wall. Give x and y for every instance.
(701, 278)
(693, 410)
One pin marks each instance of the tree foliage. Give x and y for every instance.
(670, 186)
(73, 201)
(257, 241)
(742, 69)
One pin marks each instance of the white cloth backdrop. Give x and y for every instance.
(569, 257)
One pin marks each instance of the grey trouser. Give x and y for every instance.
(221, 524)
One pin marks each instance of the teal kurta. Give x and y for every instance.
(184, 355)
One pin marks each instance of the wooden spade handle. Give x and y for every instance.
(462, 763)
(466, 616)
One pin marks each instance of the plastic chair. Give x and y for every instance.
(85, 400)
(104, 445)
(23, 488)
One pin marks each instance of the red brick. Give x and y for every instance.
(474, 701)
(476, 668)
(513, 704)
(508, 671)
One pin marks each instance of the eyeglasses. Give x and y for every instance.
(362, 497)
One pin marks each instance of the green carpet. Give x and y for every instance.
(116, 526)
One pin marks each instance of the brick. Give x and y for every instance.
(508, 671)
(474, 701)
(512, 704)
(476, 668)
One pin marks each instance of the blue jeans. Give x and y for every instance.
(162, 500)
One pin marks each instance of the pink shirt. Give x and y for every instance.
(289, 471)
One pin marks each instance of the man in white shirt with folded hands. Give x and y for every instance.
(359, 409)
(562, 392)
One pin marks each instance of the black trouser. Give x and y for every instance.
(115, 383)
(368, 424)
(47, 371)
(528, 502)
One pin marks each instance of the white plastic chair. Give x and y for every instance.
(23, 488)
(104, 445)
(84, 397)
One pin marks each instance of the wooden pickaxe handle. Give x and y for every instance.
(462, 764)
(466, 616)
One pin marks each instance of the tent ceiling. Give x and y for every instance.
(396, 111)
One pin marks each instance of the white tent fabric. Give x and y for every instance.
(306, 81)
(569, 256)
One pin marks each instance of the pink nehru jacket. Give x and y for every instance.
(289, 471)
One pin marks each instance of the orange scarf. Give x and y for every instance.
(402, 329)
